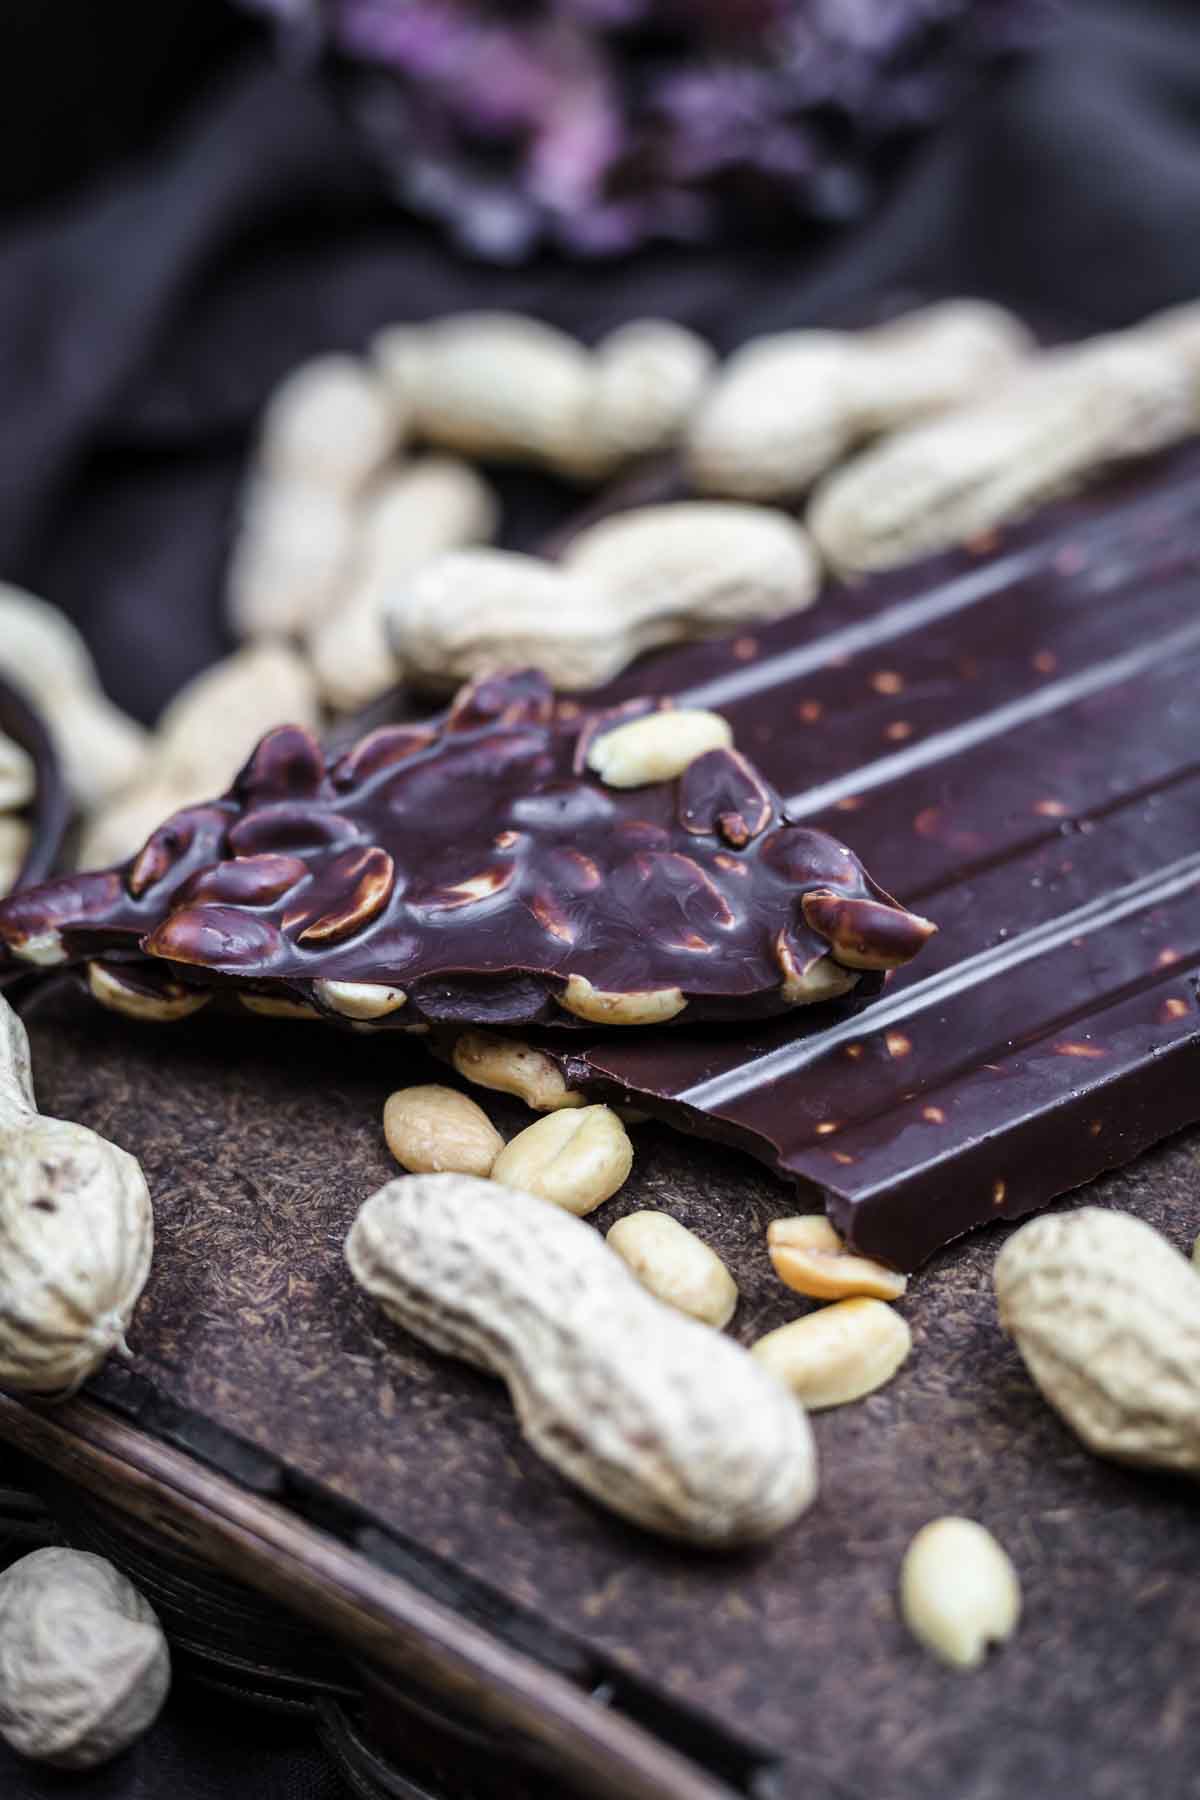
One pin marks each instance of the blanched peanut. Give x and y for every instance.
(434, 1130)
(837, 1354)
(512, 1067)
(959, 1591)
(576, 1158)
(675, 1265)
(657, 747)
(808, 1255)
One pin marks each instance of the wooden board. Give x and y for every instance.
(259, 1143)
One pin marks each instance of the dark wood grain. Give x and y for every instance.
(398, 1629)
(260, 1142)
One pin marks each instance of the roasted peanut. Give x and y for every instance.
(505, 386)
(470, 612)
(647, 378)
(432, 1130)
(512, 1067)
(695, 568)
(331, 424)
(42, 654)
(676, 1266)
(658, 1417)
(1106, 1315)
(76, 1236)
(201, 738)
(838, 1353)
(576, 1158)
(808, 1255)
(84, 1668)
(958, 1591)
(15, 839)
(292, 556)
(427, 507)
(17, 781)
(652, 575)
(1040, 436)
(787, 406)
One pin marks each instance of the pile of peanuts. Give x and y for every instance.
(578, 1156)
(363, 553)
(959, 1592)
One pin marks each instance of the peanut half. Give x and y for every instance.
(808, 1255)
(651, 1006)
(657, 747)
(959, 1591)
(512, 1067)
(675, 1265)
(837, 1354)
(432, 1130)
(576, 1158)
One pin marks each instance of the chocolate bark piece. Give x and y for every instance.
(472, 870)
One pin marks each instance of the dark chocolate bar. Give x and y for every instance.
(1015, 737)
(473, 869)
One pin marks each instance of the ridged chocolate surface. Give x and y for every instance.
(475, 863)
(1014, 739)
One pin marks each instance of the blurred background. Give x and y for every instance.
(196, 195)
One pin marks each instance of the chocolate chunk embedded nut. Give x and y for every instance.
(474, 865)
(168, 1003)
(652, 1007)
(360, 999)
(865, 934)
(656, 748)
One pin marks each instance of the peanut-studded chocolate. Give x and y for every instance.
(473, 870)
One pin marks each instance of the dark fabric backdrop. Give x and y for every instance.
(181, 219)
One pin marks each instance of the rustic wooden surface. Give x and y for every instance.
(259, 1142)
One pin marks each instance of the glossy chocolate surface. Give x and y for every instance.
(475, 863)
(1013, 737)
